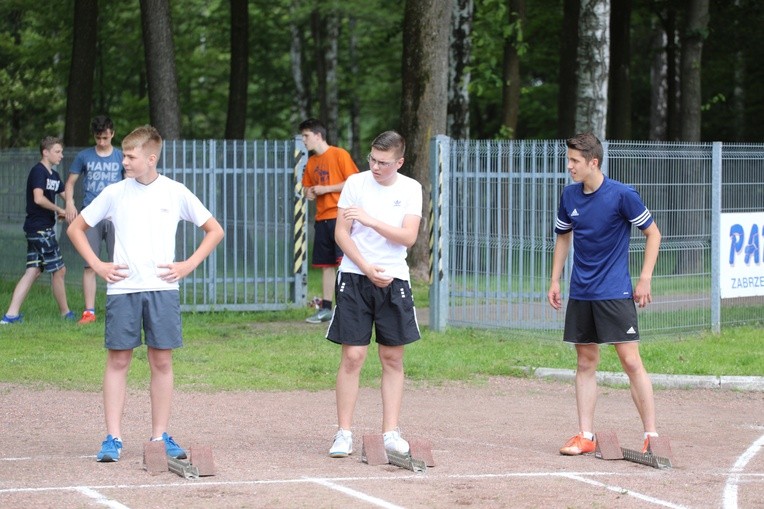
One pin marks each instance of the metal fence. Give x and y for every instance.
(251, 187)
(494, 206)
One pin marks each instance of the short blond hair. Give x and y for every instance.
(146, 137)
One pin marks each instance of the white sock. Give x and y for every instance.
(588, 435)
(650, 434)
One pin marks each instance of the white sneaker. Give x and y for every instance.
(394, 442)
(343, 444)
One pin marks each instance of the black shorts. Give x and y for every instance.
(326, 252)
(601, 322)
(361, 305)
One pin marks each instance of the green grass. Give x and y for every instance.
(278, 351)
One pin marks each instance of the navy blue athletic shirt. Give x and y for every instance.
(601, 225)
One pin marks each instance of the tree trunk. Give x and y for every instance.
(298, 76)
(354, 143)
(696, 30)
(317, 31)
(79, 92)
(619, 111)
(692, 197)
(658, 85)
(332, 24)
(162, 78)
(568, 70)
(458, 120)
(510, 104)
(593, 67)
(672, 76)
(236, 120)
(424, 102)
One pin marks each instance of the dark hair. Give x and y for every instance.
(589, 146)
(100, 124)
(48, 142)
(313, 125)
(390, 140)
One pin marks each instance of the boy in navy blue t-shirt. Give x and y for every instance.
(596, 214)
(43, 253)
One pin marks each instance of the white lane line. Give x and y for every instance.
(729, 499)
(625, 491)
(100, 499)
(354, 493)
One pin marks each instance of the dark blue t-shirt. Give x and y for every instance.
(39, 218)
(601, 224)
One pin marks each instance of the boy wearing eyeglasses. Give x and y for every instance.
(378, 220)
(325, 174)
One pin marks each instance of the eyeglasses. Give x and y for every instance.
(381, 164)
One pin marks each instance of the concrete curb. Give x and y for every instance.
(739, 383)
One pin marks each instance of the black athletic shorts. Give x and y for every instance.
(361, 305)
(601, 322)
(326, 252)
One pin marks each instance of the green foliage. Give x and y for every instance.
(36, 42)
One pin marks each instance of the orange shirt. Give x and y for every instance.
(330, 168)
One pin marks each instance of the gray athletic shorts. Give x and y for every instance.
(102, 232)
(361, 305)
(157, 314)
(601, 322)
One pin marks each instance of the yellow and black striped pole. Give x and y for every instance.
(300, 214)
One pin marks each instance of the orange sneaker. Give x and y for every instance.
(87, 317)
(578, 445)
(646, 445)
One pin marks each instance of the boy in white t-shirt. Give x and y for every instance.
(378, 220)
(142, 290)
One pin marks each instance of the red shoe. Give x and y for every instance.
(646, 445)
(578, 445)
(87, 317)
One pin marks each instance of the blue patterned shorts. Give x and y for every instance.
(43, 251)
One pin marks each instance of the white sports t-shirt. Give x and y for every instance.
(145, 219)
(389, 204)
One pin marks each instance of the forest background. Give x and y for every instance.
(243, 69)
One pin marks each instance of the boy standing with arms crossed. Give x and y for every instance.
(596, 213)
(99, 166)
(142, 281)
(378, 220)
(324, 177)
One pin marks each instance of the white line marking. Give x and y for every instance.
(729, 499)
(625, 491)
(101, 499)
(355, 494)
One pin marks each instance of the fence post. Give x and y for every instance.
(716, 215)
(440, 150)
(300, 266)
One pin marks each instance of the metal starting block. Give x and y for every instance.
(417, 460)
(658, 453)
(200, 463)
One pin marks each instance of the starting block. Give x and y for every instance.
(199, 464)
(658, 453)
(417, 460)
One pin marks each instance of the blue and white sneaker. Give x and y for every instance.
(173, 449)
(111, 448)
(12, 319)
(69, 317)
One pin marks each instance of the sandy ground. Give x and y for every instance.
(495, 445)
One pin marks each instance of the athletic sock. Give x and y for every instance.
(588, 435)
(326, 304)
(650, 434)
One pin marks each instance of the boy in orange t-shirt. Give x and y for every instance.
(325, 173)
